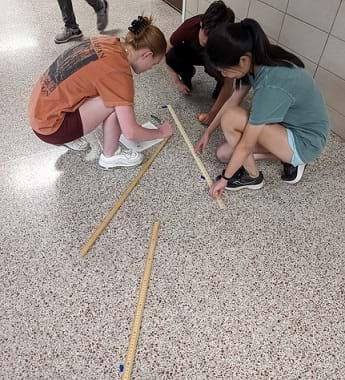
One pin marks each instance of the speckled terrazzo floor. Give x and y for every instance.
(252, 292)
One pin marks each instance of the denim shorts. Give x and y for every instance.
(296, 159)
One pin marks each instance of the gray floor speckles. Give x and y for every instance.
(252, 292)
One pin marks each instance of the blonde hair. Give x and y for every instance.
(142, 34)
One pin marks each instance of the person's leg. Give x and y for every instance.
(275, 142)
(68, 14)
(70, 133)
(101, 9)
(224, 153)
(280, 141)
(274, 139)
(178, 58)
(71, 30)
(93, 113)
(233, 122)
(96, 4)
(272, 143)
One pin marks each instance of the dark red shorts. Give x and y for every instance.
(71, 129)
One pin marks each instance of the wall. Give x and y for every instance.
(313, 29)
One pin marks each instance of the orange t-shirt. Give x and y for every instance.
(96, 67)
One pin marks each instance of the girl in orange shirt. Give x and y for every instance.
(92, 84)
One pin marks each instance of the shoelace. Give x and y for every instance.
(129, 153)
(81, 142)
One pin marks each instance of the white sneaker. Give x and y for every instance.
(122, 157)
(77, 145)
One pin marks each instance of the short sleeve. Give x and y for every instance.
(269, 105)
(187, 31)
(116, 89)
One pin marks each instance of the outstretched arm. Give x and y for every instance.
(182, 88)
(224, 95)
(234, 100)
(134, 131)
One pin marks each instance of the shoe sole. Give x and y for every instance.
(118, 166)
(249, 187)
(299, 176)
(76, 150)
(73, 37)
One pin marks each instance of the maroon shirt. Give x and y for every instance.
(188, 31)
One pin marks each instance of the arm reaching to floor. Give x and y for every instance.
(134, 131)
(182, 88)
(224, 95)
(180, 85)
(235, 100)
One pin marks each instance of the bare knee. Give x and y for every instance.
(234, 119)
(223, 153)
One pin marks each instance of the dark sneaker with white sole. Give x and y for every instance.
(102, 16)
(242, 180)
(68, 34)
(292, 174)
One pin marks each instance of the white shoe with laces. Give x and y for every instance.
(122, 157)
(77, 145)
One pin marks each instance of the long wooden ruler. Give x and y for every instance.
(196, 157)
(85, 249)
(138, 316)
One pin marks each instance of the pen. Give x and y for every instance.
(156, 118)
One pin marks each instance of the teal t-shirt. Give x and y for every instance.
(290, 96)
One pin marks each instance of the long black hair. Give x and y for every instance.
(229, 42)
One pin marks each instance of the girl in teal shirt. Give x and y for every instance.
(288, 120)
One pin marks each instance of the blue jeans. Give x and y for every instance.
(68, 14)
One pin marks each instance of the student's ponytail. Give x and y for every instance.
(242, 38)
(142, 34)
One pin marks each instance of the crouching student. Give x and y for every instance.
(92, 84)
(288, 120)
(186, 48)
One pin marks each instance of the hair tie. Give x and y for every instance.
(138, 25)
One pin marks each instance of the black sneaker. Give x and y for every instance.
(242, 180)
(292, 174)
(238, 174)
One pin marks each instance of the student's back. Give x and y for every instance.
(97, 66)
(290, 96)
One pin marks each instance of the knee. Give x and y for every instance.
(223, 153)
(234, 119)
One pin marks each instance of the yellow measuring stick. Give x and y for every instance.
(196, 157)
(139, 311)
(85, 249)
